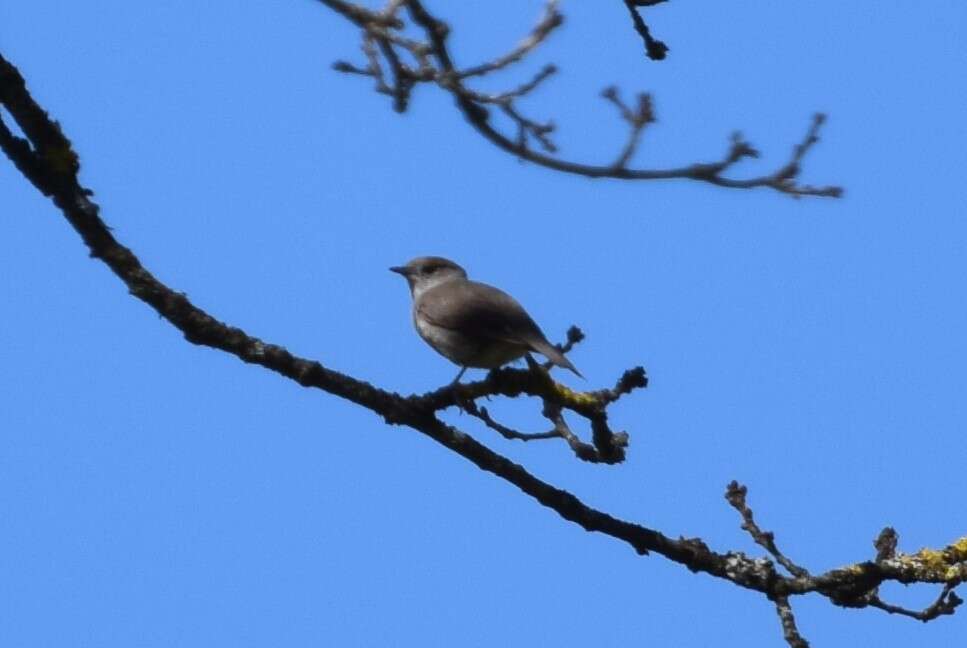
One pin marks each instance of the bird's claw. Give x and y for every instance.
(463, 401)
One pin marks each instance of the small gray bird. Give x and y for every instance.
(470, 323)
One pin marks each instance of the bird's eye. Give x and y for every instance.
(430, 269)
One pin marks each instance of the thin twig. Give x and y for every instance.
(637, 119)
(361, 15)
(526, 127)
(789, 630)
(504, 431)
(735, 494)
(584, 451)
(374, 66)
(885, 544)
(403, 79)
(630, 380)
(560, 430)
(946, 603)
(514, 93)
(549, 21)
(656, 49)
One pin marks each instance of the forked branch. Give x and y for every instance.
(46, 158)
(427, 60)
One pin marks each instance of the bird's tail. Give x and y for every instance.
(551, 352)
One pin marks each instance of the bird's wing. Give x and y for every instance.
(480, 311)
(483, 312)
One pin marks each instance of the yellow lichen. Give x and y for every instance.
(580, 399)
(933, 562)
(931, 557)
(959, 546)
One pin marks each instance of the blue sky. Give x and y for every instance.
(159, 494)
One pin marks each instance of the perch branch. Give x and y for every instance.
(46, 158)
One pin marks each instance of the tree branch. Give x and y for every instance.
(637, 119)
(789, 630)
(608, 447)
(946, 603)
(47, 159)
(735, 494)
(507, 432)
(655, 49)
(436, 66)
(549, 21)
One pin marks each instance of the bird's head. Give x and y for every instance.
(423, 273)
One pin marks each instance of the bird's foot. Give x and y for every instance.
(462, 398)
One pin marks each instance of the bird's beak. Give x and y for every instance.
(403, 270)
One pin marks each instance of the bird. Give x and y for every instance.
(470, 323)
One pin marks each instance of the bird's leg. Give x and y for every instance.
(463, 404)
(537, 368)
(532, 364)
